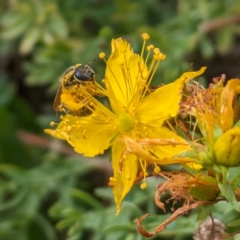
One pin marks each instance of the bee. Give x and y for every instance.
(69, 97)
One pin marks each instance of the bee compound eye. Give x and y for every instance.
(83, 73)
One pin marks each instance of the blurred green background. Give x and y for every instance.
(46, 190)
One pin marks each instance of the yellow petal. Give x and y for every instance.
(125, 73)
(124, 173)
(165, 153)
(229, 103)
(88, 135)
(164, 102)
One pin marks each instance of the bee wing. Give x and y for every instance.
(57, 99)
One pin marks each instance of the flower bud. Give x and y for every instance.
(204, 188)
(205, 158)
(227, 148)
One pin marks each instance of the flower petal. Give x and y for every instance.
(229, 106)
(124, 176)
(164, 102)
(165, 152)
(87, 135)
(125, 73)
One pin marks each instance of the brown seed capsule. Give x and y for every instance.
(211, 228)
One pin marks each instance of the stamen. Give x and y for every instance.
(145, 37)
(128, 80)
(112, 179)
(157, 169)
(149, 49)
(143, 185)
(52, 123)
(152, 71)
(102, 55)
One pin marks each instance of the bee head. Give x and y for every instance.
(84, 73)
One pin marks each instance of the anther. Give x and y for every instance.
(145, 36)
(150, 47)
(157, 169)
(156, 50)
(102, 55)
(112, 179)
(143, 185)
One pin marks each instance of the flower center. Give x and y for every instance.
(126, 122)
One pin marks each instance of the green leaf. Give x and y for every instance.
(7, 90)
(204, 212)
(29, 40)
(227, 191)
(217, 132)
(117, 227)
(206, 47)
(16, 30)
(225, 39)
(57, 25)
(86, 198)
(234, 223)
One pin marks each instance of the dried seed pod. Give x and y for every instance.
(211, 228)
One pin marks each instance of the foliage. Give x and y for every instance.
(47, 192)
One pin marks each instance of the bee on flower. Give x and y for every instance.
(69, 97)
(133, 125)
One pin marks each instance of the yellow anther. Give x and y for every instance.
(102, 55)
(145, 36)
(112, 179)
(156, 57)
(143, 185)
(150, 47)
(52, 123)
(157, 169)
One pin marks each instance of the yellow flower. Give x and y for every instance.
(216, 111)
(134, 113)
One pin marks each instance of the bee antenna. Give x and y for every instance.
(93, 60)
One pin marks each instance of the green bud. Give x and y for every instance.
(205, 188)
(205, 158)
